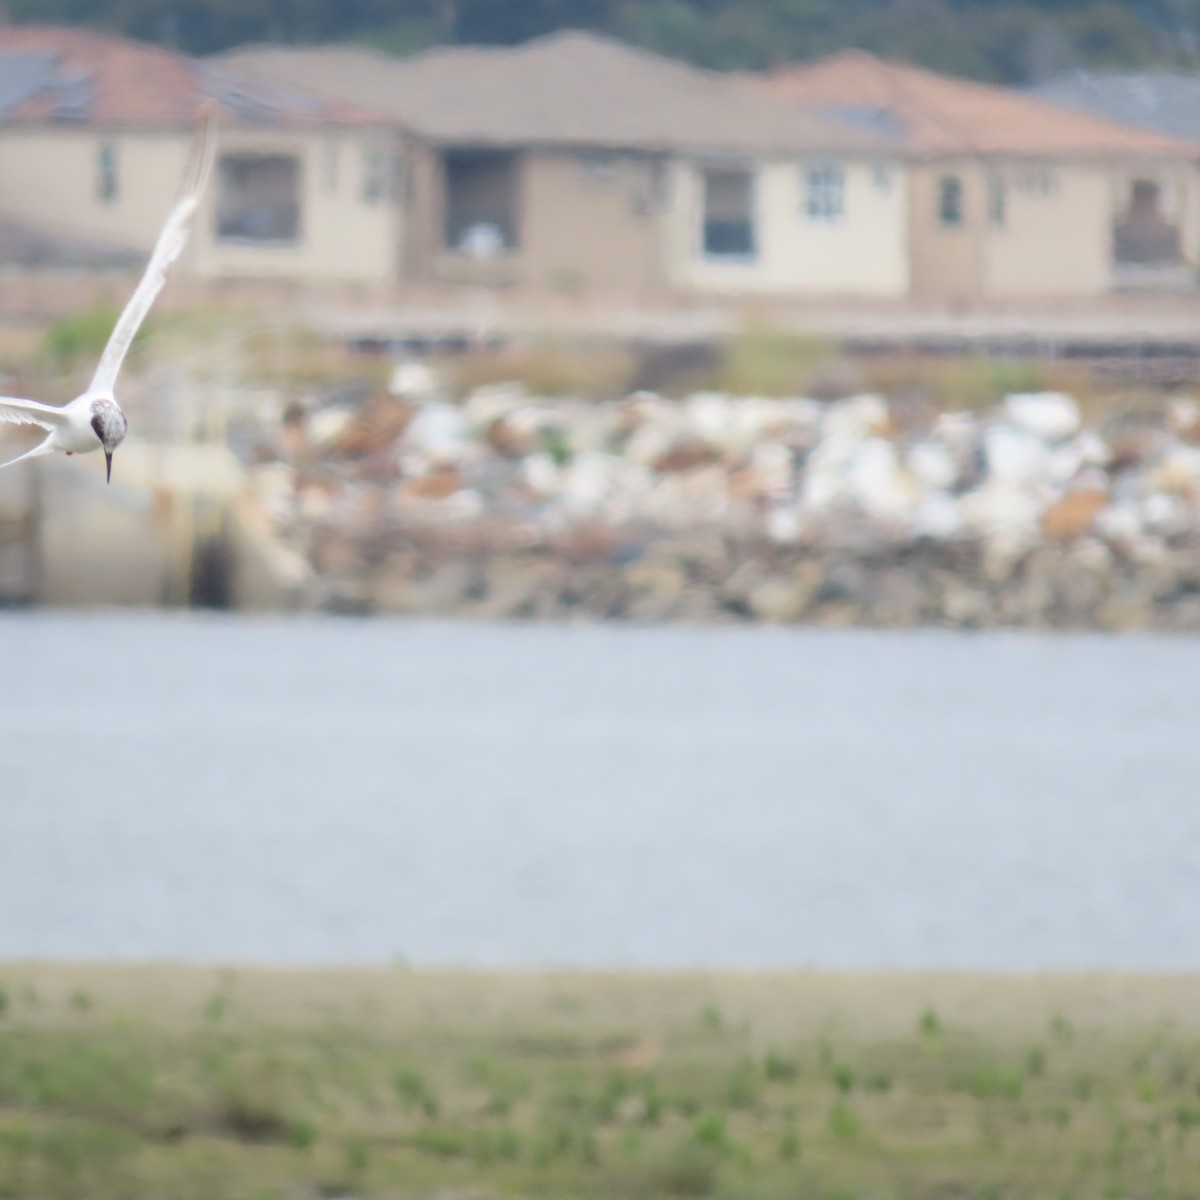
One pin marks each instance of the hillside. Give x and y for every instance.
(1008, 41)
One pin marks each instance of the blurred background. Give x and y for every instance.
(642, 640)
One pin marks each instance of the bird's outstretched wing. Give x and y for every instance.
(30, 412)
(167, 249)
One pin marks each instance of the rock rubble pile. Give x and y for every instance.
(857, 511)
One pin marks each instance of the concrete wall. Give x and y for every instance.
(865, 252)
(141, 541)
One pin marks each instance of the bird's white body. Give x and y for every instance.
(76, 436)
(94, 420)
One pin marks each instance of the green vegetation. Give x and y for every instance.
(1006, 40)
(83, 337)
(762, 361)
(638, 1089)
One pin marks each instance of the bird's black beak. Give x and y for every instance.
(108, 465)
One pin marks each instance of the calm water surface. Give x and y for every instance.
(323, 790)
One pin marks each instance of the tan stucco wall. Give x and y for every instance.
(593, 231)
(49, 177)
(1056, 238)
(864, 253)
(947, 261)
(1179, 190)
(342, 236)
(582, 232)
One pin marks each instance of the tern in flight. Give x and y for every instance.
(94, 421)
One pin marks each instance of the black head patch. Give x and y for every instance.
(109, 423)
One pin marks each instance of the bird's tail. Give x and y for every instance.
(41, 448)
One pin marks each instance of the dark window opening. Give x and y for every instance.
(950, 200)
(481, 201)
(258, 198)
(1144, 236)
(825, 195)
(108, 179)
(381, 179)
(648, 189)
(997, 202)
(729, 214)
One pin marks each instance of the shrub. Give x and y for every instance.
(762, 361)
(844, 1123)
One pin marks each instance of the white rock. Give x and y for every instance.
(784, 525)
(932, 464)
(489, 402)
(856, 417)
(999, 509)
(1064, 463)
(586, 481)
(328, 424)
(1162, 512)
(1118, 522)
(439, 431)
(464, 505)
(825, 481)
(710, 416)
(648, 443)
(1091, 553)
(275, 486)
(1183, 413)
(774, 466)
(1093, 449)
(1177, 472)
(415, 381)
(937, 516)
(315, 504)
(956, 428)
(1051, 416)
(542, 474)
(1015, 459)
(877, 482)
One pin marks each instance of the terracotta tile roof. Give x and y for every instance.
(941, 115)
(58, 74)
(566, 89)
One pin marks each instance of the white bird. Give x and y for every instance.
(94, 420)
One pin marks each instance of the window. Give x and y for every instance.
(950, 200)
(381, 171)
(331, 165)
(108, 182)
(1038, 182)
(258, 198)
(728, 198)
(825, 198)
(482, 198)
(997, 201)
(598, 167)
(648, 187)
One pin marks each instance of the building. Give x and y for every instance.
(580, 167)
(95, 130)
(1013, 196)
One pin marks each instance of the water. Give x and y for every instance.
(319, 790)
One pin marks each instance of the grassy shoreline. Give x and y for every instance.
(163, 1080)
